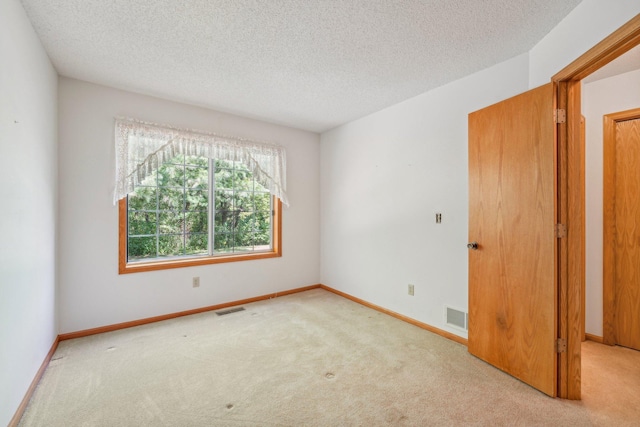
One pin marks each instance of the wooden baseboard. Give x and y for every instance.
(445, 334)
(594, 338)
(109, 328)
(84, 333)
(27, 397)
(124, 325)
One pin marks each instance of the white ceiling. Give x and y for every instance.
(310, 64)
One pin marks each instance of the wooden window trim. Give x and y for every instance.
(124, 267)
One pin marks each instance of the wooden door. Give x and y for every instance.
(622, 223)
(512, 273)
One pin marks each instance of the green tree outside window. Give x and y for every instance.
(170, 214)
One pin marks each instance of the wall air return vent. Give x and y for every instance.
(456, 318)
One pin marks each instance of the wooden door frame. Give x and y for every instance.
(609, 332)
(570, 201)
(583, 243)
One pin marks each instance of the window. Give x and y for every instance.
(170, 222)
(189, 198)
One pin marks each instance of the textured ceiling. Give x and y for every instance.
(310, 64)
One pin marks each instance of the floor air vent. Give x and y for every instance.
(231, 310)
(456, 318)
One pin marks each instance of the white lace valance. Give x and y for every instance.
(142, 147)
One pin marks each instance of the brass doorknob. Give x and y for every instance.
(473, 246)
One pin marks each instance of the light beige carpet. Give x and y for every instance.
(312, 359)
(611, 384)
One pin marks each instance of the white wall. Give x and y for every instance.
(91, 292)
(28, 196)
(384, 177)
(601, 97)
(588, 24)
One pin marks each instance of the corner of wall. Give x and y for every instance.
(28, 222)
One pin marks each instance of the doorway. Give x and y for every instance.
(571, 266)
(613, 88)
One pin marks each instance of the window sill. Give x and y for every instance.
(138, 267)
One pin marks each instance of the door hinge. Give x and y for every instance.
(561, 231)
(561, 345)
(560, 115)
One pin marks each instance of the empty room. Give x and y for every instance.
(319, 212)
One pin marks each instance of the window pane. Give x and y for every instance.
(224, 164)
(141, 247)
(197, 244)
(262, 201)
(224, 201)
(171, 245)
(243, 201)
(142, 223)
(171, 199)
(243, 242)
(196, 161)
(196, 200)
(196, 178)
(178, 209)
(245, 223)
(224, 179)
(235, 205)
(223, 242)
(170, 222)
(262, 241)
(171, 175)
(177, 160)
(242, 180)
(263, 228)
(225, 221)
(263, 220)
(143, 199)
(196, 222)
